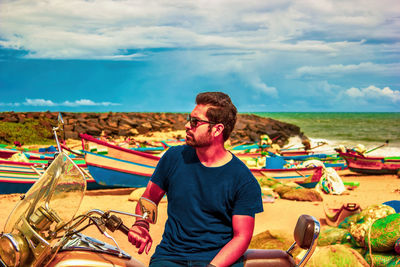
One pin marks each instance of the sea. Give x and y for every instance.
(377, 132)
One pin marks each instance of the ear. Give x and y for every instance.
(218, 129)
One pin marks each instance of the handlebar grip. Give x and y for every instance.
(115, 223)
(124, 229)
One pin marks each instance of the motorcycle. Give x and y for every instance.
(43, 231)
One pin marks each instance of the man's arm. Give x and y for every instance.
(243, 227)
(139, 233)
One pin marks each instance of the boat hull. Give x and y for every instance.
(118, 166)
(109, 171)
(117, 178)
(306, 177)
(371, 165)
(18, 177)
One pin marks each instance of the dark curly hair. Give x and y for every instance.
(221, 110)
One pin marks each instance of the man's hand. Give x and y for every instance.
(139, 233)
(139, 236)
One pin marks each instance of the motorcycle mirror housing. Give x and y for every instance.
(148, 209)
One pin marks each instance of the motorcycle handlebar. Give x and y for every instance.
(124, 229)
(113, 223)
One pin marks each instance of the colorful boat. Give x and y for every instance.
(18, 177)
(117, 166)
(357, 162)
(273, 161)
(306, 177)
(6, 153)
(42, 153)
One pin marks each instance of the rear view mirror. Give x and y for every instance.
(60, 122)
(148, 209)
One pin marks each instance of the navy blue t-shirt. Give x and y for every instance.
(201, 203)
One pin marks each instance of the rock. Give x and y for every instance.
(248, 127)
(71, 135)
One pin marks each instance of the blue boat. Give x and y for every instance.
(18, 177)
(117, 166)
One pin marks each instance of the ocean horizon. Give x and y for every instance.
(370, 129)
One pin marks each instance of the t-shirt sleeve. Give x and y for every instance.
(162, 171)
(248, 199)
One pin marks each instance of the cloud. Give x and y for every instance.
(2, 104)
(340, 69)
(374, 93)
(49, 103)
(260, 86)
(39, 102)
(86, 102)
(101, 29)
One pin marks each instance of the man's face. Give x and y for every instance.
(198, 135)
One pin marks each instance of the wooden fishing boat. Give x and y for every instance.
(6, 153)
(284, 152)
(42, 153)
(274, 161)
(306, 177)
(360, 163)
(18, 177)
(117, 166)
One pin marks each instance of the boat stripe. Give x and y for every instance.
(119, 170)
(121, 160)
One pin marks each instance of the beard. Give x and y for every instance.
(200, 141)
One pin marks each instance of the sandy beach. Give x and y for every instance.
(278, 217)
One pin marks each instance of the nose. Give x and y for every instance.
(187, 126)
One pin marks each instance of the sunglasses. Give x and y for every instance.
(194, 122)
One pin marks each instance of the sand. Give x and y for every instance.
(278, 217)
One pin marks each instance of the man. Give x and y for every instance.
(212, 195)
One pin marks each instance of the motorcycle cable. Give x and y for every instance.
(91, 222)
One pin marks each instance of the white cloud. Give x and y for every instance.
(340, 69)
(86, 102)
(39, 102)
(2, 104)
(264, 88)
(354, 92)
(101, 29)
(374, 93)
(49, 103)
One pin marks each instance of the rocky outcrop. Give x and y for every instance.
(248, 127)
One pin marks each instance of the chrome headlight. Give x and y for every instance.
(14, 249)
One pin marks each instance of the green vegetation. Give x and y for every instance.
(27, 133)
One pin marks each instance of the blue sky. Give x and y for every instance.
(153, 55)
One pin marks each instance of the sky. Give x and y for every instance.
(157, 55)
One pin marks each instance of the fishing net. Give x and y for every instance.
(358, 224)
(300, 194)
(384, 233)
(383, 259)
(291, 191)
(336, 256)
(268, 181)
(333, 235)
(365, 219)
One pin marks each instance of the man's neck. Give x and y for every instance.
(213, 156)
